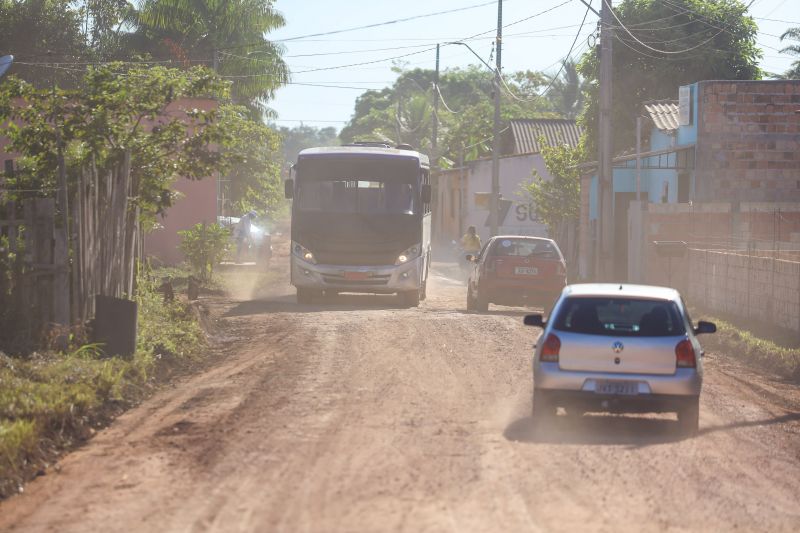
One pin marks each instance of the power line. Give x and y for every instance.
(369, 26)
(567, 57)
(668, 52)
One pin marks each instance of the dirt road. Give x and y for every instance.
(360, 416)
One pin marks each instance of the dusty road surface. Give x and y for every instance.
(356, 415)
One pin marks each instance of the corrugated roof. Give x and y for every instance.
(664, 114)
(555, 131)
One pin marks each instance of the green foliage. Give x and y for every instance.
(792, 34)
(52, 400)
(204, 247)
(302, 137)
(403, 113)
(640, 74)
(557, 201)
(111, 115)
(251, 153)
(194, 30)
(41, 31)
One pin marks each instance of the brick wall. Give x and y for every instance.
(748, 143)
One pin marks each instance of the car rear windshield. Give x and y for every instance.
(525, 248)
(620, 317)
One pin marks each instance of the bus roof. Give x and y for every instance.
(363, 151)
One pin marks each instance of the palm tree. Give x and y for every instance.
(794, 34)
(567, 92)
(228, 35)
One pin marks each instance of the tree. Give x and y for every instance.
(557, 201)
(251, 150)
(227, 33)
(685, 41)
(403, 113)
(302, 137)
(794, 71)
(42, 31)
(568, 91)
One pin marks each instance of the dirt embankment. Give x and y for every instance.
(356, 415)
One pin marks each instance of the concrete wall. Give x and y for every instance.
(748, 145)
(751, 287)
(740, 259)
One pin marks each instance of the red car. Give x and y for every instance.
(516, 270)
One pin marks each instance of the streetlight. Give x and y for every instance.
(493, 198)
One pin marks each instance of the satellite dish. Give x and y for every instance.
(5, 63)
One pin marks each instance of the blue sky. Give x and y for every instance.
(539, 43)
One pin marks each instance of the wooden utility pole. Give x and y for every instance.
(435, 132)
(605, 220)
(493, 199)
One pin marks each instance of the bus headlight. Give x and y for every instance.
(303, 253)
(408, 255)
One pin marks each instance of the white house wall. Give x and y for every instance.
(515, 172)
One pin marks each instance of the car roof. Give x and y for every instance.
(650, 292)
(528, 237)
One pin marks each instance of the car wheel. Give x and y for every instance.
(481, 303)
(410, 298)
(304, 296)
(470, 299)
(689, 417)
(543, 409)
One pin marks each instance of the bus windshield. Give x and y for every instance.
(368, 186)
(365, 195)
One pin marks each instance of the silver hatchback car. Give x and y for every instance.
(618, 348)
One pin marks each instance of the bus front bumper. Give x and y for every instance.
(384, 279)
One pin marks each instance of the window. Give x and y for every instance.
(525, 248)
(620, 317)
(357, 195)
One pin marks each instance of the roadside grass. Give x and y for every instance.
(752, 348)
(52, 401)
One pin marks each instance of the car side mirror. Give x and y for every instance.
(288, 189)
(470, 257)
(534, 320)
(705, 327)
(426, 194)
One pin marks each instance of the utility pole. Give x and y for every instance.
(493, 199)
(605, 220)
(435, 132)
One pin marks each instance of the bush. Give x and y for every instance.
(204, 246)
(50, 401)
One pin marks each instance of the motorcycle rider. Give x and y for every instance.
(471, 241)
(470, 245)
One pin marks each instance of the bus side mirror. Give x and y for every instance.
(288, 189)
(426, 194)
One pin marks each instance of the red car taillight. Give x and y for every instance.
(684, 355)
(550, 349)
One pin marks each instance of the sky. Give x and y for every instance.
(539, 43)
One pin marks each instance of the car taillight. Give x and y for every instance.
(684, 355)
(550, 349)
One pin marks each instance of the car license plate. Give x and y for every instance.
(356, 276)
(623, 388)
(526, 271)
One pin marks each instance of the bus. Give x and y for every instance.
(361, 221)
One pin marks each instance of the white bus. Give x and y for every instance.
(361, 221)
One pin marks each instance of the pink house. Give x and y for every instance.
(196, 202)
